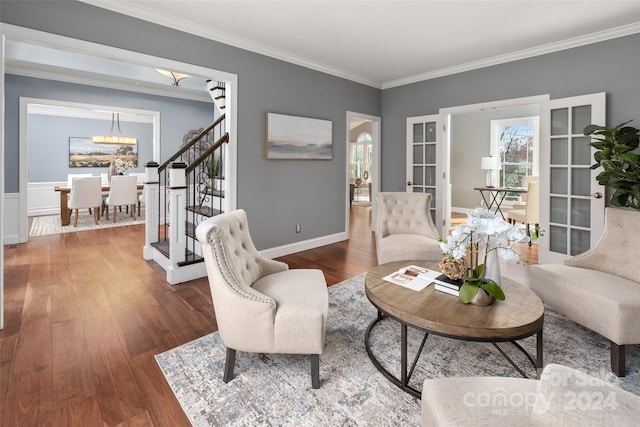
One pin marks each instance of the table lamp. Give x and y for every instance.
(490, 164)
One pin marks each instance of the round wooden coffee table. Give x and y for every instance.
(519, 316)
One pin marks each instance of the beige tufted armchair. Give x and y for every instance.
(404, 229)
(600, 288)
(261, 306)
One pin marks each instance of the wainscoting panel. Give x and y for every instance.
(10, 218)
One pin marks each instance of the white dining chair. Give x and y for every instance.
(85, 193)
(71, 176)
(123, 192)
(141, 176)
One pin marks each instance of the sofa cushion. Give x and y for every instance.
(568, 397)
(401, 247)
(478, 401)
(580, 293)
(302, 302)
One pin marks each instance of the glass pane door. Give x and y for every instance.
(423, 144)
(572, 206)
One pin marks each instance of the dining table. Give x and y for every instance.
(65, 214)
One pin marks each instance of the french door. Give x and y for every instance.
(571, 200)
(425, 159)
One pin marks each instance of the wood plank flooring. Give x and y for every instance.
(85, 314)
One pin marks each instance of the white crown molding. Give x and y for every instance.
(129, 9)
(522, 54)
(145, 14)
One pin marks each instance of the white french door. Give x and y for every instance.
(425, 159)
(571, 200)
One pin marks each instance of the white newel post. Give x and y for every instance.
(151, 193)
(177, 214)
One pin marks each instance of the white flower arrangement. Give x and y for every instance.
(482, 233)
(122, 166)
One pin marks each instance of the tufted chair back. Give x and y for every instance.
(404, 213)
(233, 265)
(617, 250)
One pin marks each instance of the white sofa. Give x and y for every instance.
(562, 397)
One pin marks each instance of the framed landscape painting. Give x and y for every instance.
(294, 137)
(84, 153)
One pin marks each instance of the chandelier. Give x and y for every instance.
(115, 139)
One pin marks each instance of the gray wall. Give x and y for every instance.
(280, 194)
(276, 194)
(48, 144)
(611, 66)
(471, 140)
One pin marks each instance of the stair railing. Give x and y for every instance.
(194, 155)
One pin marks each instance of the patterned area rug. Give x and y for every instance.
(273, 389)
(50, 224)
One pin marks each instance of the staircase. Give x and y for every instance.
(179, 194)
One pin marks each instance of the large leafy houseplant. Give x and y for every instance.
(483, 232)
(621, 166)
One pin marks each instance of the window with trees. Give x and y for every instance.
(515, 141)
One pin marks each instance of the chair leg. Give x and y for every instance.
(96, 215)
(75, 220)
(618, 364)
(229, 364)
(315, 370)
(528, 227)
(115, 209)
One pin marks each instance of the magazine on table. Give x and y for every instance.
(416, 277)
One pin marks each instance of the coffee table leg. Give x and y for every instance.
(403, 354)
(539, 352)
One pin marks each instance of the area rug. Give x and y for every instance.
(50, 224)
(273, 389)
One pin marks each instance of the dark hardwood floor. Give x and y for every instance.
(85, 314)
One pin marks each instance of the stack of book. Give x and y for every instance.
(447, 285)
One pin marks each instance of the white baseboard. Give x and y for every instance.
(304, 245)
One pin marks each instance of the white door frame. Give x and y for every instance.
(2, 38)
(375, 165)
(12, 32)
(469, 108)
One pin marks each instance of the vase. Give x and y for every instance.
(111, 172)
(482, 298)
(492, 267)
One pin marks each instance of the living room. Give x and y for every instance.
(280, 194)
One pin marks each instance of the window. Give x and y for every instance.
(516, 142)
(361, 157)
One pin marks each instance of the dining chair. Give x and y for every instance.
(141, 176)
(123, 192)
(71, 176)
(85, 193)
(530, 215)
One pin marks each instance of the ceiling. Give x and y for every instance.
(384, 43)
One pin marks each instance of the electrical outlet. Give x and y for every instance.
(298, 228)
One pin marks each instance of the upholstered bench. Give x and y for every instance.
(563, 396)
(600, 288)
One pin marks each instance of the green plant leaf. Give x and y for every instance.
(493, 289)
(467, 292)
(588, 130)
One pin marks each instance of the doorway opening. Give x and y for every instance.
(363, 159)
